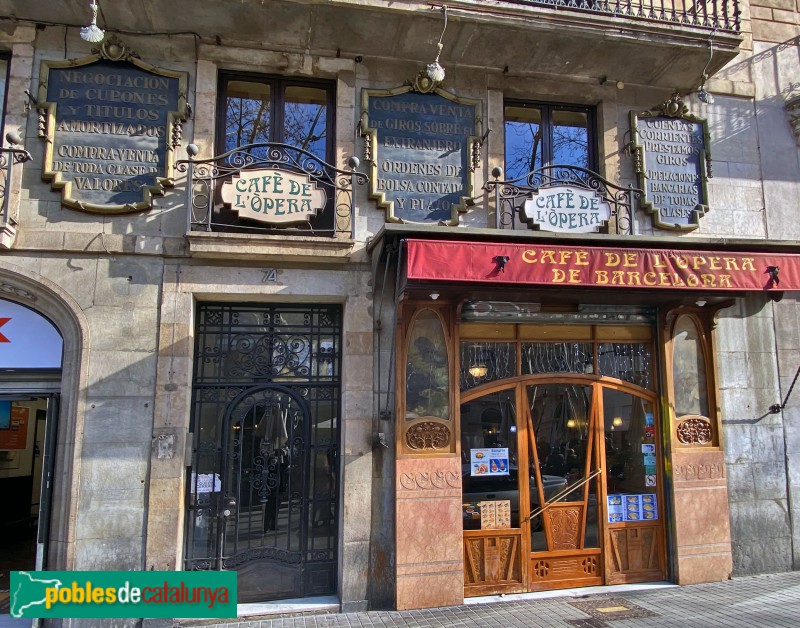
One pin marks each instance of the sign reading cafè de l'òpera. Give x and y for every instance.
(673, 163)
(111, 124)
(421, 146)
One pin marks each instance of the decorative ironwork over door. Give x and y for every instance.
(262, 488)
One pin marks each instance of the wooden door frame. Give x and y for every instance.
(597, 448)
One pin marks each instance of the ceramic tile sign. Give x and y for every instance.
(489, 461)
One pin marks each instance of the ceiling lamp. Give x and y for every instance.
(478, 370)
(92, 33)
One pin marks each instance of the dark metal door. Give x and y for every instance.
(262, 487)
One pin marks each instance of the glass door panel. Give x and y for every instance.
(630, 444)
(489, 469)
(563, 495)
(634, 528)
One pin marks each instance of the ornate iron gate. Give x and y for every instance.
(262, 488)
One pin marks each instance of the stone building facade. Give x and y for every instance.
(175, 321)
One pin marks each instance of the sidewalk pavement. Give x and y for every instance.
(766, 601)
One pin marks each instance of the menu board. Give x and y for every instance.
(495, 515)
(623, 507)
(489, 461)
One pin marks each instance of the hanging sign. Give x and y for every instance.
(673, 164)
(422, 149)
(274, 196)
(111, 123)
(566, 208)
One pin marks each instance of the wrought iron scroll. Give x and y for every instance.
(510, 196)
(9, 157)
(205, 176)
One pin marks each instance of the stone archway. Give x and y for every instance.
(50, 300)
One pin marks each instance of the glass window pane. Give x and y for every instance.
(570, 138)
(523, 135)
(688, 370)
(561, 416)
(630, 362)
(484, 362)
(489, 422)
(3, 84)
(427, 369)
(556, 357)
(305, 119)
(631, 456)
(247, 113)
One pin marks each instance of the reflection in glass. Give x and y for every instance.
(427, 369)
(562, 458)
(489, 422)
(688, 370)
(523, 130)
(629, 423)
(570, 138)
(247, 113)
(304, 119)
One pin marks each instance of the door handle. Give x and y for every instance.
(229, 507)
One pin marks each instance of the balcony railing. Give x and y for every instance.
(510, 197)
(208, 210)
(721, 15)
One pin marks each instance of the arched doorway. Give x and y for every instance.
(30, 379)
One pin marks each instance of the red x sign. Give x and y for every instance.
(3, 321)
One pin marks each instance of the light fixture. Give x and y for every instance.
(478, 370)
(700, 302)
(92, 33)
(434, 295)
(617, 421)
(435, 71)
(702, 94)
(572, 424)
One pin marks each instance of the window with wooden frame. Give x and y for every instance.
(539, 135)
(690, 369)
(275, 123)
(254, 109)
(427, 425)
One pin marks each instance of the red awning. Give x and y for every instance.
(544, 265)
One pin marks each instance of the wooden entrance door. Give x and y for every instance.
(582, 486)
(562, 434)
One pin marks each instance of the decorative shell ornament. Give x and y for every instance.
(92, 32)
